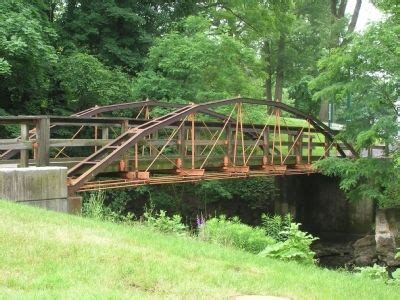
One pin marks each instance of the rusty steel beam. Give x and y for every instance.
(172, 179)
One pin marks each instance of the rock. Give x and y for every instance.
(365, 251)
(332, 254)
(385, 240)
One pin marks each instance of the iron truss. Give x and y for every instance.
(187, 143)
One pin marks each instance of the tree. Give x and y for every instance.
(27, 57)
(290, 36)
(86, 82)
(367, 70)
(196, 62)
(119, 33)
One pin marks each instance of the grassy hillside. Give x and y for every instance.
(50, 255)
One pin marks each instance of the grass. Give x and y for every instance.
(48, 255)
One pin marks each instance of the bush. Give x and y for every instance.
(95, 208)
(296, 247)
(234, 233)
(376, 272)
(164, 223)
(275, 226)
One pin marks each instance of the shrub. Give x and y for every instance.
(275, 226)
(234, 233)
(95, 208)
(164, 223)
(296, 247)
(395, 277)
(376, 272)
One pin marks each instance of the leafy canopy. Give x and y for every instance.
(197, 62)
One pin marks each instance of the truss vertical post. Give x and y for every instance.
(242, 136)
(24, 159)
(43, 141)
(309, 146)
(236, 135)
(193, 140)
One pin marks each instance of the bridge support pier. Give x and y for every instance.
(317, 202)
(44, 187)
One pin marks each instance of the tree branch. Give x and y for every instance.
(239, 17)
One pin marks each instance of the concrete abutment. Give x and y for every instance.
(44, 187)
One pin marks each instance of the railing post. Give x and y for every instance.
(326, 149)
(181, 147)
(265, 146)
(299, 148)
(228, 143)
(96, 133)
(42, 141)
(104, 133)
(123, 163)
(24, 159)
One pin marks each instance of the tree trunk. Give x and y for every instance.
(268, 61)
(280, 69)
(354, 17)
(342, 9)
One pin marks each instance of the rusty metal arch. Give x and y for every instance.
(90, 112)
(99, 160)
(95, 110)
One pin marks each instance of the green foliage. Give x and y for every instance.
(364, 178)
(26, 56)
(295, 248)
(289, 36)
(5, 67)
(119, 33)
(197, 62)
(87, 82)
(362, 77)
(231, 232)
(302, 96)
(395, 277)
(257, 193)
(275, 226)
(375, 272)
(48, 255)
(94, 208)
(163, 223)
